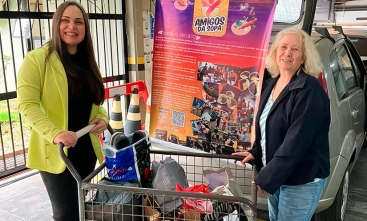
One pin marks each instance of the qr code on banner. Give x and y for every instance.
(178, 118)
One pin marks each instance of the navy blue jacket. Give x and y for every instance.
(297, 144)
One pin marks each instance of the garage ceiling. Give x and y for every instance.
(341, 5)
(350, 14)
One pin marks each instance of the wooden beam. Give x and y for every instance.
(32, 2)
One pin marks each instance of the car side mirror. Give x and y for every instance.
(365, 64)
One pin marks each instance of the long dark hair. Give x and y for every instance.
(92, 74)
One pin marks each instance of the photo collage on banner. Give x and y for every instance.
(209, 59)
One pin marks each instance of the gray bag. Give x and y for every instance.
(167, 174)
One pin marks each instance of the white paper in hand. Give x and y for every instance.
(84, 130)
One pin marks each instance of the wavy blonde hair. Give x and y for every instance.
(312, 64)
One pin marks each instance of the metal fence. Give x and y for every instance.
(26, 25)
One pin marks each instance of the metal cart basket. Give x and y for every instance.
(99, 200)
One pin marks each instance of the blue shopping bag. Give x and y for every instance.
(121, 164)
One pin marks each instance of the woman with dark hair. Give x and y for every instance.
(60, 91)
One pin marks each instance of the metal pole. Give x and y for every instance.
(135, 50)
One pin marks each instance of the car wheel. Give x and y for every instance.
(337, 210)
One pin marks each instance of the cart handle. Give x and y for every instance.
(193, 154)
(206, 155)
(66, 160)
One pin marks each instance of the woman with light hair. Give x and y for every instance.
(312, 63)
(291, 148)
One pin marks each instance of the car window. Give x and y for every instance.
(356, 70)
(337, 74)
(355, 65)
(288, 11)
(346, 67)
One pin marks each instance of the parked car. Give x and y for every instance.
(345, 78)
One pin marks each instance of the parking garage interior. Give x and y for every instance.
(118, 29)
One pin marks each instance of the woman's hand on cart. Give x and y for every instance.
(68, 138)
(248, 157)
(100, 126)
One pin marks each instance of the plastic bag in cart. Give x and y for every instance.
(121, 164)
(109, 205)
(168, 173)
(141, 145)
(223, 182)
(223, 177)
(226, 211)
(204, 206)
(114, 197)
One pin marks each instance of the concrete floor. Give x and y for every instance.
(357, 197)
(27, 200)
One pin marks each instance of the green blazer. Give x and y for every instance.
(42, 96)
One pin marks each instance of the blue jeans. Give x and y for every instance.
(295, 203)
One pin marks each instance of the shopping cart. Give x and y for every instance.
(98, 200)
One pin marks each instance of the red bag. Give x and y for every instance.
(204, 206)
